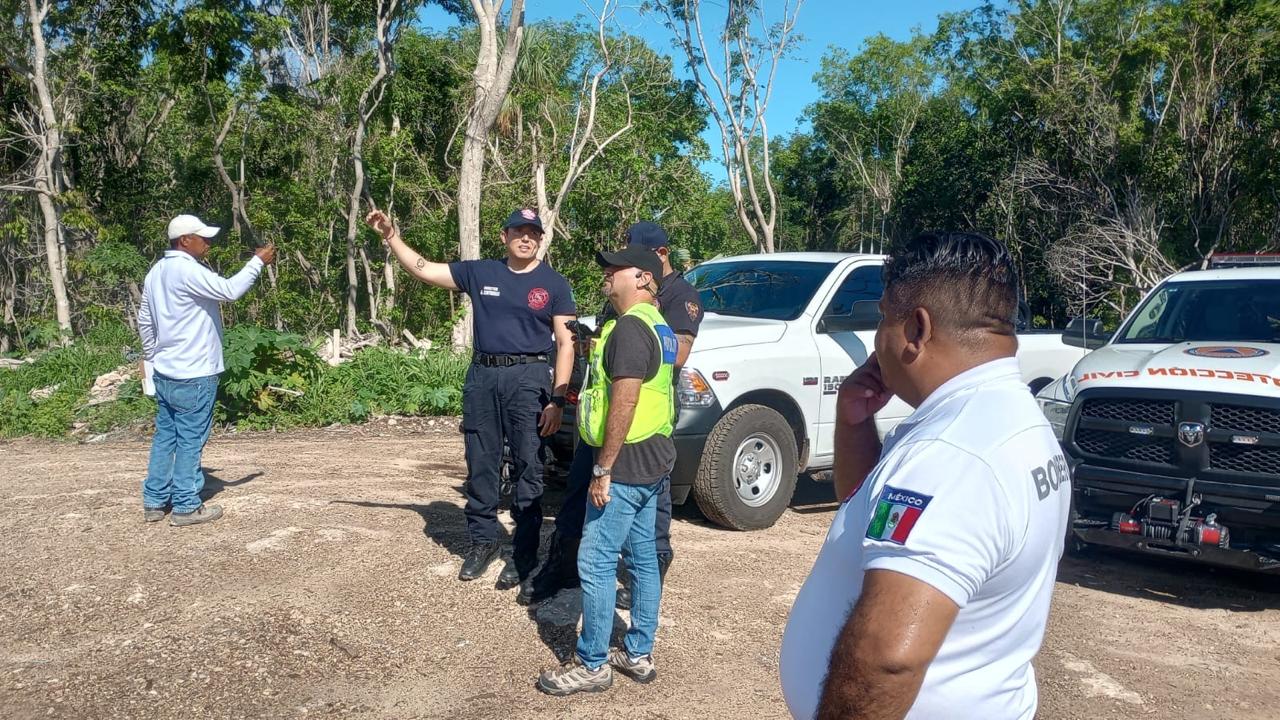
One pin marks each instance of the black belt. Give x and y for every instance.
(487, 360)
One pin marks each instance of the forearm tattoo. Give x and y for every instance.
(422, 262)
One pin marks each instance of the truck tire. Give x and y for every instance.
(748, 470)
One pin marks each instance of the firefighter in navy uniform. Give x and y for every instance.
(681, 309)
(520, 310)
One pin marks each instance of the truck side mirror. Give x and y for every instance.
(1086, 333)
(864, 315)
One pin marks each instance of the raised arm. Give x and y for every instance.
(431, 273)
(206, 283)
(857, 445)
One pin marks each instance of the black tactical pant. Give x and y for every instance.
(504, 403)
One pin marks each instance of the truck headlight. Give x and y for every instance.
(1056, 412)
(693, 390)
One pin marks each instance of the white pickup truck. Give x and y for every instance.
(757, 395)
(1172, 426)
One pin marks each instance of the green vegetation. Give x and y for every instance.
(265, 371)
(1107, 142)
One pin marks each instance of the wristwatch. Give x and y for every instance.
(599, 472)
(558, 401)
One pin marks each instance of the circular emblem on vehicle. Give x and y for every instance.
(538, 298)
(1227, 351)
(1191, 434)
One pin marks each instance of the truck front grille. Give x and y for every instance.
(1246, 419)
(1126, 447)
(1238, 439)
(1153, 412)
(1244, 459)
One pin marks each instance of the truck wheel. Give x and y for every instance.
(748, 469)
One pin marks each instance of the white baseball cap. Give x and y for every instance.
(190, 225)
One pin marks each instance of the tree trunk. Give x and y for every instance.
(364, 110)
(491, 81)
(49, 166)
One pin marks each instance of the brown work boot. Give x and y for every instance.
(202, 514)
(574, 677)
(152, 514)
(640, 669)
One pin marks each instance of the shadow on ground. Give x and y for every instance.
(442, 522)
(214, 484)
(1170, 581)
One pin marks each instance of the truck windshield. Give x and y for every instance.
(1213, 310)
(771, 289)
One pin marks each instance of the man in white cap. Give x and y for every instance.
(181, 328)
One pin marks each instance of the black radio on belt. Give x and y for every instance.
(488, 360)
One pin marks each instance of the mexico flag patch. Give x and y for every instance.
(895, 514)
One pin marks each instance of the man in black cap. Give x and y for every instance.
(681, 307)
(521, 309)
(625, 414)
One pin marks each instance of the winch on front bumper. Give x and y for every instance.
(1177, 473)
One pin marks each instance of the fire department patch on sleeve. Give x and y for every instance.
(895, 514)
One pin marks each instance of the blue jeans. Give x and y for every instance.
(625, 525)
(573, 509)
(184, 417)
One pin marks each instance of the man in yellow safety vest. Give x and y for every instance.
(625, 412)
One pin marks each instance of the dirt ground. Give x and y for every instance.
(330, 590)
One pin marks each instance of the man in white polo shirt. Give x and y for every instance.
(181, 328)
(930, 594)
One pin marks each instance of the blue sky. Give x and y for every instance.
(823, 23)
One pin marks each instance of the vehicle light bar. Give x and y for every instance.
(1227, 260)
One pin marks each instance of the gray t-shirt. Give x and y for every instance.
(632, 352)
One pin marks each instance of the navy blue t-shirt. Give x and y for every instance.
(513, 310)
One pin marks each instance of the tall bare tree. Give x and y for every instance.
(737, 91)
(42, 127)
(491, 81)
(587, 141)
(385, 27)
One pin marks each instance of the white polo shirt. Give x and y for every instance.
(971, 496)
(179, 319)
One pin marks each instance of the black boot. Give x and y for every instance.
(624, 592)
(559, 572)
(478, 559)
(518, 568)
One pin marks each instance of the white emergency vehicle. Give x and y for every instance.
(1173, 423)
(757, 397)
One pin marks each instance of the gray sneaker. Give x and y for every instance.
(152, 514)
(639, 669)
(202, 514)
(573, 677)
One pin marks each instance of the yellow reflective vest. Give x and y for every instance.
(655, 411)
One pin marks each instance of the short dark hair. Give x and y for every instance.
(966, 280)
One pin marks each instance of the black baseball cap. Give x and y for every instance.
(632, 256)
(648, 235)
(523, 216)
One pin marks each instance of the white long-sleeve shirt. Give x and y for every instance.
(179, 319)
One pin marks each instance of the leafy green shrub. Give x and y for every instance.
(265, 371)
(131, 407)
(72, 368)
(382, 381)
